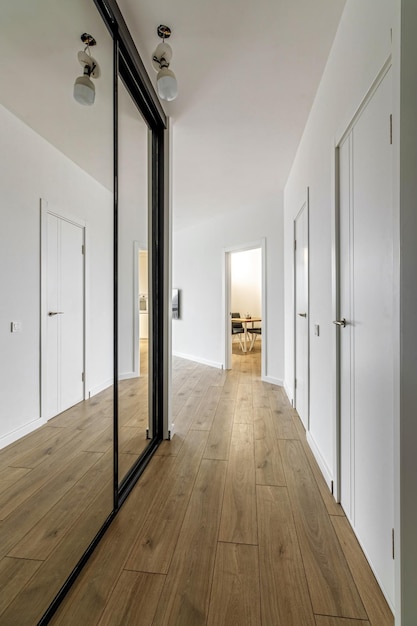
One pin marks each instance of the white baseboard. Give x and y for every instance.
(6, 440)
(272, 380)
(320, 460)
(127, 375)
(197, 359)
(288, 391)
(98, 388)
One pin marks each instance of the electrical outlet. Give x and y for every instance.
(16, 327)
(317, 330)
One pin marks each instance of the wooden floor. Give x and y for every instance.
(56, 491)
(230, 525)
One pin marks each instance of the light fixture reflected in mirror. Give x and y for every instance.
(84, 90)
(166, 82)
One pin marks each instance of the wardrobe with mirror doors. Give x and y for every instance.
(82, 376)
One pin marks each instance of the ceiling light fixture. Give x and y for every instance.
(84, 90)
(166, 82)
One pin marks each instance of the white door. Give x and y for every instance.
(366, 341)
(301, 383)
(65, 315)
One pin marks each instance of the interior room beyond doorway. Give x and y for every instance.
(246, 299)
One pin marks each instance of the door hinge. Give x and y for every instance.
(390, 129)
(83, 377)
(83, 249)
(332, 487)
(393, 544)
(295, 244)
(295, 384)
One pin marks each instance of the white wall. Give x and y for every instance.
(246, 288)
(30, 169)
(361, 47)
(198, 255)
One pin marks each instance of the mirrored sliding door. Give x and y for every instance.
(134, 284)
(56, 312)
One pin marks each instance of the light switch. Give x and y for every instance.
(16, 327)
(317, 330)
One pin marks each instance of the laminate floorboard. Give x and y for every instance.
(185, 596)
(239, 522)
(376, 606)
(332, 588)
(154, 545)
(285, 598)
(235, 597)
(134, 600)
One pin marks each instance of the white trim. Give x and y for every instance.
(6, 440)
(226, 304)
(197, 359)
(288, 392)
(341, 135)
(273, 381)
(325, 470)
(305, 206)
(81, 223)
(99, 388)
(127, 375)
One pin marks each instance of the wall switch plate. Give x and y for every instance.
(317, 330)
(16, 327)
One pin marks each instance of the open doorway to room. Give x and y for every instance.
(245, 322)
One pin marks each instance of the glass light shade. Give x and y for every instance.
(84, 91)
(166, 84)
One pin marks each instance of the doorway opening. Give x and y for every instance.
(141, 310)
(245, 297)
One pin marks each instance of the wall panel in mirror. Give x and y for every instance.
(56, 311)
(134, 297)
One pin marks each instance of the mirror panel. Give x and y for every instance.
(56, 312)
(133, 283)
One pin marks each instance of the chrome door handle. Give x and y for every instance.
(302, 314)
(341, 322)
(51, 313)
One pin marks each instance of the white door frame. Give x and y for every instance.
(305, 207)
(44, 211)
(137, 248)
(226, 305)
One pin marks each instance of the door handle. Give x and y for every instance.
(302, 314)
(51, 313)
(341, 322)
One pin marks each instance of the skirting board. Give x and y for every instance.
(289, 393)
(197, 359)
(6, 440)
(273, 381)
(321, 462)
(95, 390)
(127, 375)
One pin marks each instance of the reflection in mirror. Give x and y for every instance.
(56, 311)
(133, 282)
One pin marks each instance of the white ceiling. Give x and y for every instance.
(247, 73)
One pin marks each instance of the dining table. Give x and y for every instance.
(245, 321)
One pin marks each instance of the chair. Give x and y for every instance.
(255, 332)
(237, 329)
